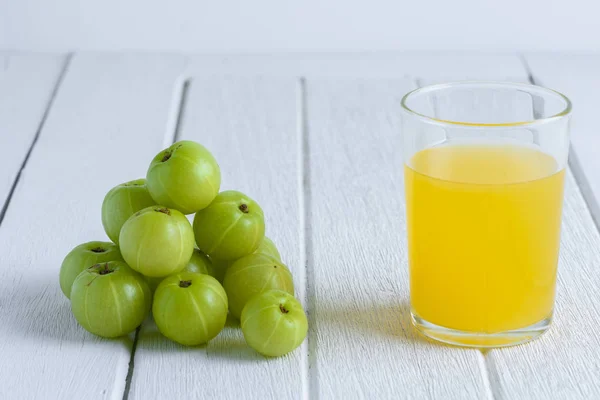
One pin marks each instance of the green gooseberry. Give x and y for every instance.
(274, 323)
(184, 176)
(231, 227)
(254, 274)
(83, 256)
(190, 308)
(110, 299)
(199, 263)
(157, 241)
(121, 202)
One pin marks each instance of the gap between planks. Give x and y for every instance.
(172, 135)
(588, 197)
(57, 85)
(309, 347)
(574, 165)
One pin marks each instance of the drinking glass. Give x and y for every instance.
(484, 167)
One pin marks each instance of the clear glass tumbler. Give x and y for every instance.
(484, 167)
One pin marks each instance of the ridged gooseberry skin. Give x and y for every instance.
(83, 256)
(254, 274)
(121, 202)
(110, 299)
(157, 241)
(274, 323)
(199, 263)
(231, 227)
(184, 176)
(190, 308)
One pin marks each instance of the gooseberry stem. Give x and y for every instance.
(185, 284)
(166, 156)
(105, 269)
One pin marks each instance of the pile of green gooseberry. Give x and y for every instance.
(153, 264)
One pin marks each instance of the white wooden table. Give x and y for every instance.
(315, 139)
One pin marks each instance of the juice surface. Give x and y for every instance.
(483, 235)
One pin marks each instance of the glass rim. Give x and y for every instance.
(515, 85)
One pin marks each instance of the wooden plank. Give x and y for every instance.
(250, 126)
(107, 121)
(578, 77)
(26, 86)
(564, 363)
(433, 66)
(362, 341)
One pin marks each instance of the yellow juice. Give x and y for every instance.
(483, 235)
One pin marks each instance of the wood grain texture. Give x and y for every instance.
(578, 77)
(107, 121)
(250, 126)
(431, 66)
(365, 344)
(26, 85)
(565, 362)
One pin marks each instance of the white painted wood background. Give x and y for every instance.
(308, 25)
(315, 139)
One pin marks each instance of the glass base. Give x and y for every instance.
(477, 339)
